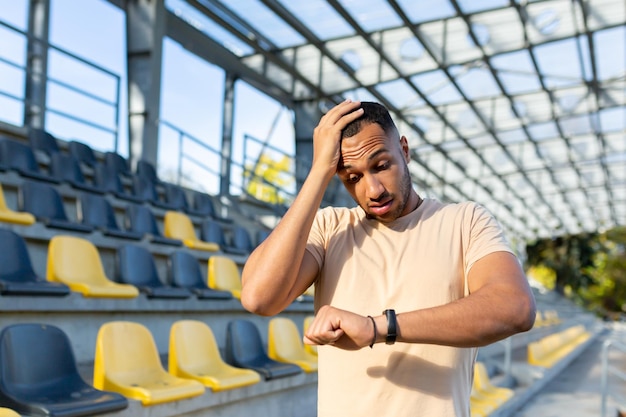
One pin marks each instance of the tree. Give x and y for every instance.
(268, 177)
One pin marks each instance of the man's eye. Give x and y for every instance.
(383, 166)
(352, 179)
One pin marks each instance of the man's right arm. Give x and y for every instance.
(280, 269)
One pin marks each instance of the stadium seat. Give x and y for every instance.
(43, 141)
(40, 377)
(483, 385)
(549, 350)
(145, 169)
(45, 203)
(19, 157)
(136, 266)
(176, 197)
(203, 206)
(96, 211)
(65, 168)
(312, 349)
(7, 412)
(244, 349)
(177, 225)
(146, 191)
(241, 239)
(118, 163)
(107, 178)
(17, 276)
(140, 219)
(212, 231)
(185, 273)
(194, 354)
(224, 275)
(83, 154)
(76, 262)
(127, 362)
(284, 344)
(11, 216)
(261, 235)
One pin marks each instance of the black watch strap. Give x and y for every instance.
(392, 326)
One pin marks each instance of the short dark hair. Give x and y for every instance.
(372, 113)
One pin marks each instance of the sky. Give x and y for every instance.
(192, 91)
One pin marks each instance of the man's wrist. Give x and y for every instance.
(392, 326)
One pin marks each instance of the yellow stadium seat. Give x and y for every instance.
(550, 349)
(7, 412)
(224, 275)
(11, 216)
(312, 349)
(127, 362)
(483, 385)
(285, 345)
(76, 263)
(194, 354)
(177, 225)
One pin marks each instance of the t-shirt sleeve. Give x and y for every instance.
(485, 235)
(316, 243)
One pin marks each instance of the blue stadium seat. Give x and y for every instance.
(118, 163)
(45, 203)
(140, 219)
(95, 210)
(146, 190)
(66, 168)
(40, 378)
(203, 205)
(83, 153)
(244, 349)
(241, 239)
(19, 157)
(212, 231)
(145, 169)
(185, 273)
(136, 266)
(107, 178)
(43, 141)
(17, 276)
(175, 196)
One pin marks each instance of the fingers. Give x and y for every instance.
(346, 112)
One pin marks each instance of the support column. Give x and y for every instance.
(227, 134)
(145, 28)
(36, 63)
(307, 116)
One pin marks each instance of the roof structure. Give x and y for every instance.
(517, 104)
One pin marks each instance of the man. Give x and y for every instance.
(443, 274)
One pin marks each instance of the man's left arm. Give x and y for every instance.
(500, 304)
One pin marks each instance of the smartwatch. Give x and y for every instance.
(392, 326)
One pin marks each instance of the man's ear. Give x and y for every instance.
(404, 145)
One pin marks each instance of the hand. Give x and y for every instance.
(339, 328)
(327, 135)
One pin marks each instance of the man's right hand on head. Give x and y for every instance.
(327, 136)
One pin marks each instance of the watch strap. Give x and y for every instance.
(392, 326)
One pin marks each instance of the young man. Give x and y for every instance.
(432, 281)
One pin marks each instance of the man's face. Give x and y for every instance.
(373, 168)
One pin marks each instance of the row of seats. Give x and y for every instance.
(549, 350)
(40, 376)
(43, 202)
(109, 173)
(547, 318)
(74, 264)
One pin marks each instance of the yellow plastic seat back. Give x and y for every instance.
(177, 225)
(224, 275)
(312, 349)
(11, 216)
(127, 361)
(194, 354)
(483, 384)
(76, 262)
(284, 344)
(7, 412)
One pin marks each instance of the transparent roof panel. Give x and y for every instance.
(519, 106)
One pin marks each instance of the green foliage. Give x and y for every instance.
(267, 177)
(590, 268)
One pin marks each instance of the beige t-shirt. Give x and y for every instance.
(420, 260)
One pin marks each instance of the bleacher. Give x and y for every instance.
(160, 279)
(82, 257)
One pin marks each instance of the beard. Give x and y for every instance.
(403, 193)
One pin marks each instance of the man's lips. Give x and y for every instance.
(381, 209)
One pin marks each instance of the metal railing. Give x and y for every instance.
(112, 129)
(608, 369)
